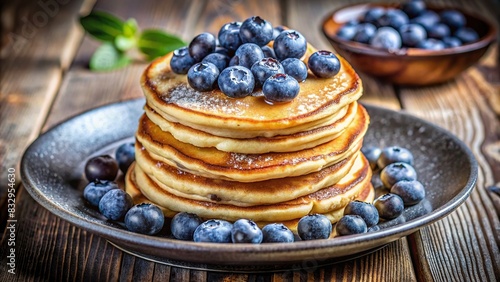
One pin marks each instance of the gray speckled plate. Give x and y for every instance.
(52, 172)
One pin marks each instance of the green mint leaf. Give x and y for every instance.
(155, 43)
(107, 58)
(123, 43)
(103, 26)
(130, 28)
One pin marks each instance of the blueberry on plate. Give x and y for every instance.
(396, 172)
(256, 30)
(324, 64)
(438, 31)
(394, 18)
(453, 18)
(102, 167)
(229, 36)
(373, 14)
(181, 61)
(314, 226)
(351, 224)
(213, 231)
(236, 81)
(386, 38)
(221, 61)
(451, 42)
(248, 54)
(203, 76)
(394, 154)
(413, 8)
(280, 88)
(277, 233)
(246, 231)
(412, 34)
(371, 153)
(184, 224)
(364, 32)
(466, 35)
(427, 19)
(290, 44)
(431, 44)
(389, 206)
(365, 210)
(411, 191)
(295, 68)
(265, 68)
(115, 204)
(201, 45)
(94, 191)
(145, 218)
(125, 155)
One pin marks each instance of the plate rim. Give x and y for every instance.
(361, 241)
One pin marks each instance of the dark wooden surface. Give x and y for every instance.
(45, 79)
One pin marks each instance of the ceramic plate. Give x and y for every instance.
(52, 172)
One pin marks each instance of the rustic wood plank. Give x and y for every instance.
(31, 68)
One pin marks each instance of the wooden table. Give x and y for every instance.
(45, 79)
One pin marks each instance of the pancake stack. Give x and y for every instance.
(227, 158)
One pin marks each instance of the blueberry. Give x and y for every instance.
(277, 30)
(413, 8)
(256, 30)
(373, 228)
(125, 156)
(102, 167)
(221, 50)
(426, 19)
(246, 231)
(277, 233)
(466, 35)
(201, 45)
(373, 14)
(184, 224)
(181, 61)
(412, 34)
(411, 192)
(221, 61)
(351, 224)
(265, 68)
(346, 32)
(144, 218)
(280, 88)
(229, 36)
(290, 44)
(431, 44)
(365, 210)
(453, 18)
(248, 54)
(314, 226)
(451, 42)
(213, 231)
(389, 206)
(324, 64)
(295, 68)
(268, 52)
(386, 38)
(394, 18)
(372, 153)
(94, 191)
(364, 32)
(203, 76)
(395, 172)
(115, 204)
(394, 154)
(438, 31)
(236, 81)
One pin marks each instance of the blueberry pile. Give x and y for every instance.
(411, 25)
(398, 176)
(113, 202)
(240, 60)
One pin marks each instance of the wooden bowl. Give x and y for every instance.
(408, 66)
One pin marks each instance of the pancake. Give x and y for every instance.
(187, 185)
(213, 112)
(210, 162)
(323, 201)
(258, 145)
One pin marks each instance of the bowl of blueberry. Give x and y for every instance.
(409, 43)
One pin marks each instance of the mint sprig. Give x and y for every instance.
(120, 36)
